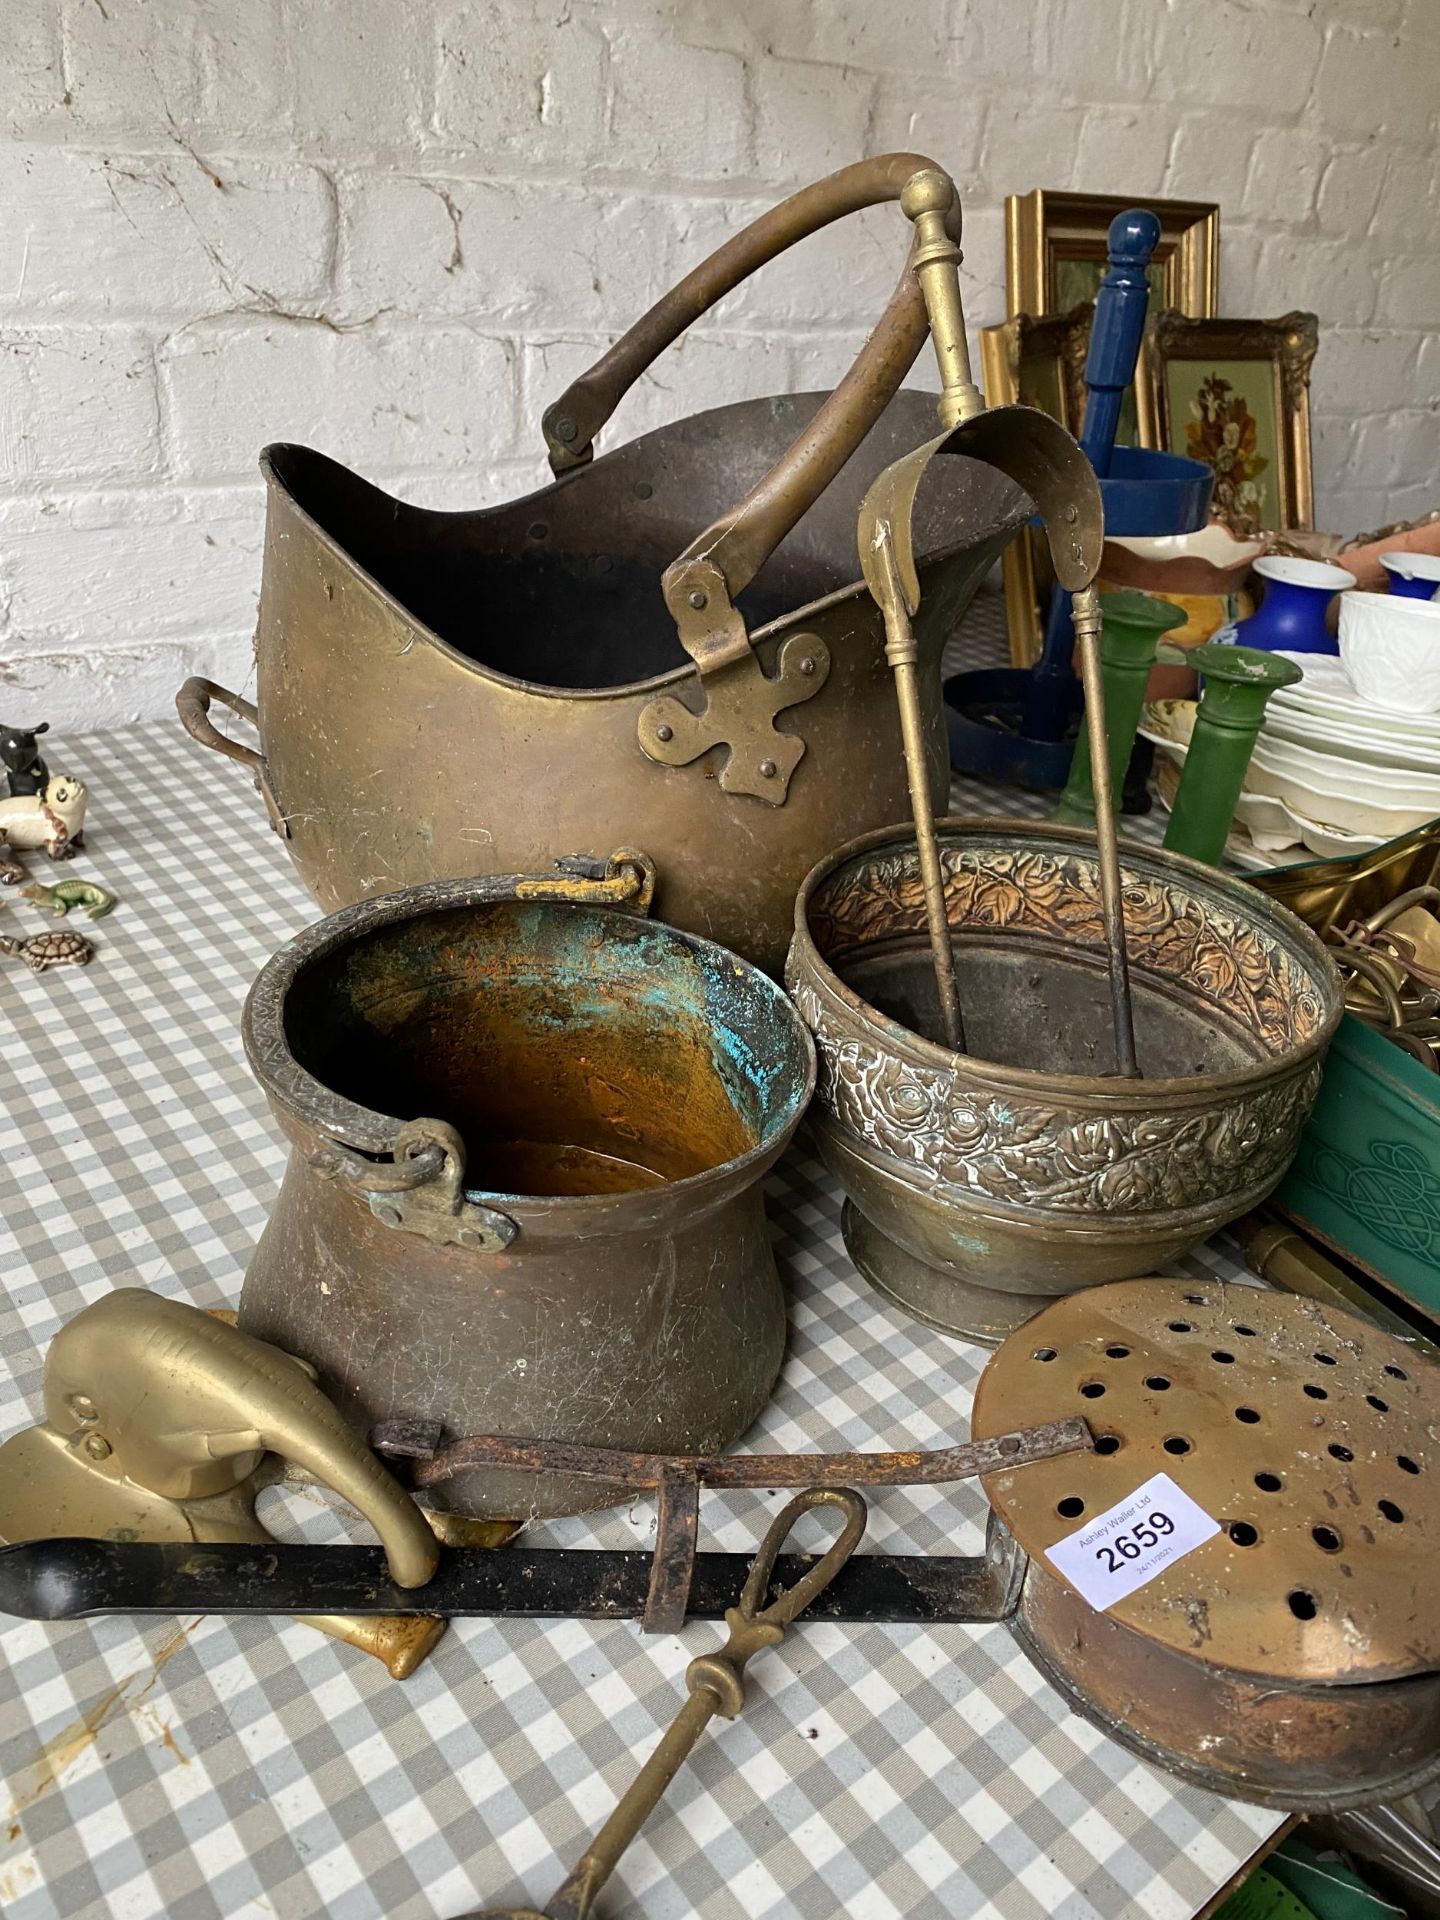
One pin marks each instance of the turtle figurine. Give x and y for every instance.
(42, 950)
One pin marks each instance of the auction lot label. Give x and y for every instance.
(1125, 1547)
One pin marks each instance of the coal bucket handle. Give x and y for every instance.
(192, 703)
(731, 552)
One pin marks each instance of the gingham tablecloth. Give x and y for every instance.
(200, 1768)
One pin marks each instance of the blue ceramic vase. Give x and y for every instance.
(1291, 617)
(1415, 576)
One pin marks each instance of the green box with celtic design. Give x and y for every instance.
(1367, 1176)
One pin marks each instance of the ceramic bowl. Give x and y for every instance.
(1390, 647)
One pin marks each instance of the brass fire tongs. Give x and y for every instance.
(716, 1683)
(1040, 456)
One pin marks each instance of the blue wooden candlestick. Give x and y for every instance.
(1115, 336)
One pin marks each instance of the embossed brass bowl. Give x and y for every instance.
(982, 1185)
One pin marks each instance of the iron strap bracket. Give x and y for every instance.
(741, 699)
(676, 1479)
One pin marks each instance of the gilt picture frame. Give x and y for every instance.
(1056, 247)
(1055, 250)
(1236, 394)
(1034, 362)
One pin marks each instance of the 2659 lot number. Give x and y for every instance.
(1134, 1541)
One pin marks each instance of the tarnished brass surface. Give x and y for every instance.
(163, 1422)
(1327, 893)
(1042, 458)
(1023, 1166)
(572, 1245)
(928, 198)
(1313, 1375)
(1293, 1657)
(1283, 1256)
(451, 693)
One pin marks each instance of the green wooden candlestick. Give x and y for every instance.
(1130, 628)
(1237, 683)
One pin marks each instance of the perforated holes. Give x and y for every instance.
(1194, 1299)
(1117, 1353)
(1325, 1359)
(1177, 1443)
(1247, 1333)
(1406, 1464)
(1315, 1393)
(1157, 1383)
(1071, 1507)
(1391, 1511)
(1374, 1400)
(1326, 1538)
(1301, 1604)
(1247, 1416)
(1222, 1359)
(1107, 1443)
(1242, 1533)
(1043, 1353)
(1180, 1326)
(1396, 1373)
(1269, 1482)
(1092, 1389)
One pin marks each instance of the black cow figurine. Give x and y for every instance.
(20, 758)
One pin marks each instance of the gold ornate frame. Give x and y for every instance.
(1043, 228)
(1288, 345)
(1062, 340)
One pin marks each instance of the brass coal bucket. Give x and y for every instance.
(523, 1197)
(441, 694)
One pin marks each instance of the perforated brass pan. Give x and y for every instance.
(1292, 1659)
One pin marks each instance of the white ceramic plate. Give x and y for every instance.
(1347, 780)
(1379, 748)
(1339, 810)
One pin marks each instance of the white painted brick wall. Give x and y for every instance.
(396, 231)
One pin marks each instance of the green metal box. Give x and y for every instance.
(1367, 1176)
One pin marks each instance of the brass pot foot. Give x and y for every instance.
(931, 1295)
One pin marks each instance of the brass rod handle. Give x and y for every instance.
(571, 423)
(902, 653)
(717, 1685)
(926, 201)
(722, 560)
(1085, 612)
(192, 703)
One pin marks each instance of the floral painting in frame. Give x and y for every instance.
(1235, 394)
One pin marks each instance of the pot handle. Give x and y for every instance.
(725, 558)
(192, 703)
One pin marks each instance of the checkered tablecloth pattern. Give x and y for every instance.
(201, 1768)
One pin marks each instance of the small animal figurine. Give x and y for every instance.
(52, 819)
(65, 894)
(25, 771)
(44, 950)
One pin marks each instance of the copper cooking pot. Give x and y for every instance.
(443, 694)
